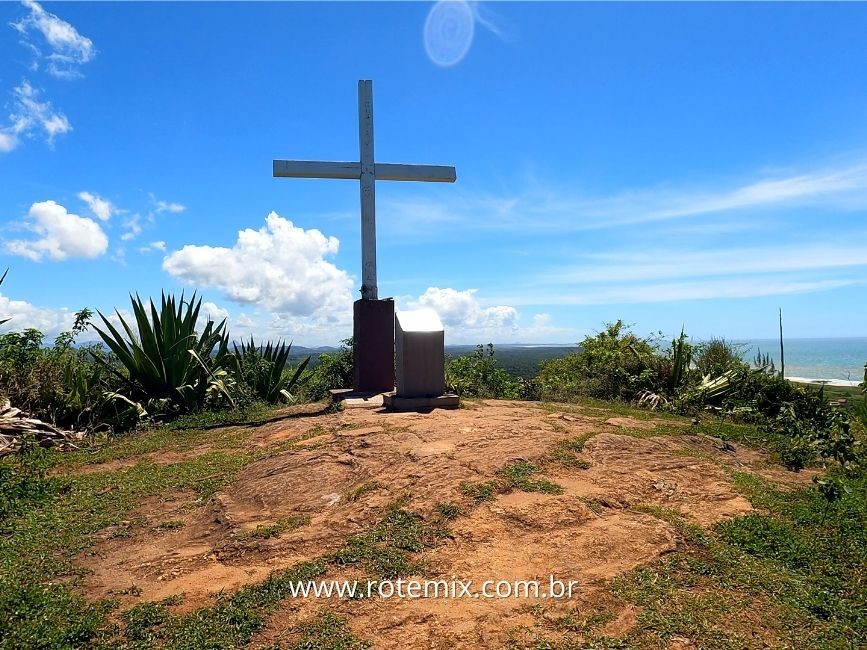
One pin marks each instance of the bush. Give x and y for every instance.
(480, 375)
(331, 371)
(613, 364)
(60, 384)
(718, 356)
(802, 417)
(29, 378)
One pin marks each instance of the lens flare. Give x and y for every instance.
(448, 32)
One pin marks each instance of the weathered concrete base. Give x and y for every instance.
(419, 352)
(394, 402)
(353, 399)
(373, 336)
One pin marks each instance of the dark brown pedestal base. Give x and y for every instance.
(394, 402)
(373, 334)
(351, 399)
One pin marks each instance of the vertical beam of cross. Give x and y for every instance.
(368, 172)
(368, 193)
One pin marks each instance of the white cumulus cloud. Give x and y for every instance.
(280, 267)
(59, 234)
(67, 48)
(213, 312)
(461, 309)
(22, 315)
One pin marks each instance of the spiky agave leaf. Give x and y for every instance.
(1, 282)
(157, 354)
(264, 369)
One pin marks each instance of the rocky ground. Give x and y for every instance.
(612, 487)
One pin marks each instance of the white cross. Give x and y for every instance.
(367, 172)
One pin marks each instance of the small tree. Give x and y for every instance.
(480, 375)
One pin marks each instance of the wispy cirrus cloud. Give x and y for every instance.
(30, 117)
(58, 49)
(658, 263)
(161, 206)
(750, 287)
(545, 210)
(630, 276)
(53, 41)
(101, 208)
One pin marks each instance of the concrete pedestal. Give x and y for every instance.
(419, 345)
(373, 335)
(419, 349)
(351, 399)
(394, 402)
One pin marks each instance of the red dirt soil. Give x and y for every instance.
(590, 533)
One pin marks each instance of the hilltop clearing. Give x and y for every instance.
(193, 538)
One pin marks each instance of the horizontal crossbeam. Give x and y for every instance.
(316, 169)
(401, 172)
(352, 170)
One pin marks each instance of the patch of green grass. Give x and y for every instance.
(589, 406)
(566, 451)
(681, 524)
(141, 621)
(448, 510)
(356, 493)
(208, 419)
(516, 475)
(596, 506)
(792, 573)
(326, 632)
(519, 474)
(139, 444)
(38, 604)
(576, 620)
(233, 620)
(483, 491)
(384, 550)
(172, 524)
(275, 529)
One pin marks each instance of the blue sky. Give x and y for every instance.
(667, 164)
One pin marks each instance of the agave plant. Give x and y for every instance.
(166, 360)
(264, 370)
(681, 356)
(1, 282)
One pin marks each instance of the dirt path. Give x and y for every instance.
(348, 466)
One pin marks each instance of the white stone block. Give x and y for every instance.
(419, 346)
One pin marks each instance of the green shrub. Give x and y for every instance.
(480, 375)
(613, 364)
(29, 378)
(717, 356)
(331, 371)
(59, 384)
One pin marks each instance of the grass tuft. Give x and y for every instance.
(356, 493)
(519, 474)
(267, 531)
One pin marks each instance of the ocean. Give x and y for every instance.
(840, 359)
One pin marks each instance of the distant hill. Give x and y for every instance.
(519, 360)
